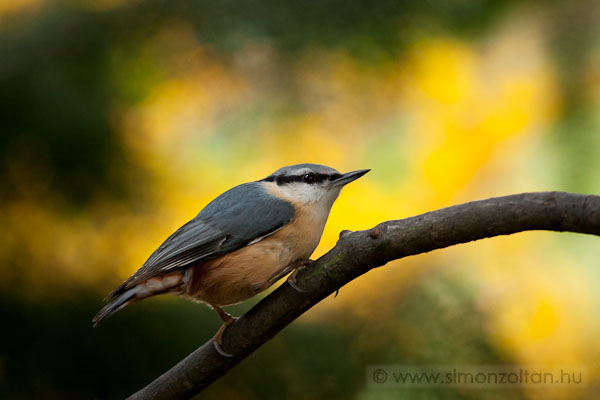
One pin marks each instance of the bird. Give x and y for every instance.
(240, 243)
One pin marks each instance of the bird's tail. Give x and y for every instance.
(117, 303)
(122, 297)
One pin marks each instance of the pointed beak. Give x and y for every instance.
(349, 177)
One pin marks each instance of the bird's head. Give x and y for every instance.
(310, 183)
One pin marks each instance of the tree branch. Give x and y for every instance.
(358, 252)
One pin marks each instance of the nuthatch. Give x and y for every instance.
(241, 243)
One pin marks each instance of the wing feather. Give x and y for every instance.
(236, 218)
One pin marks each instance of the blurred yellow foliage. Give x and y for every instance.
(436, 125)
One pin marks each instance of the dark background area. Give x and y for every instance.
(83, 204)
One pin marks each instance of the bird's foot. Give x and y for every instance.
(218, 338)
(292, 278)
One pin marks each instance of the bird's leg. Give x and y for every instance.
(273, 279)
(297, 268)
(218, 338)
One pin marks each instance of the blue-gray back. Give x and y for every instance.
(228, 223)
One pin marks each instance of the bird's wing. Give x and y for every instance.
(236, 218)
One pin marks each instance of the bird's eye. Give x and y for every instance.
(308, 178)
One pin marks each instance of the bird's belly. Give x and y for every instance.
(243, 273)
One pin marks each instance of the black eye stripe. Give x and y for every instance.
(318, 178)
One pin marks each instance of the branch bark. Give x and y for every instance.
(358, 252)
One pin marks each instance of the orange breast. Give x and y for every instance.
(236, 276)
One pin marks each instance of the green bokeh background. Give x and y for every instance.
(72, 71)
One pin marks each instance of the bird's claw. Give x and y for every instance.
(217, 345)
(218, 338)
(292, 281)
(292, 278)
